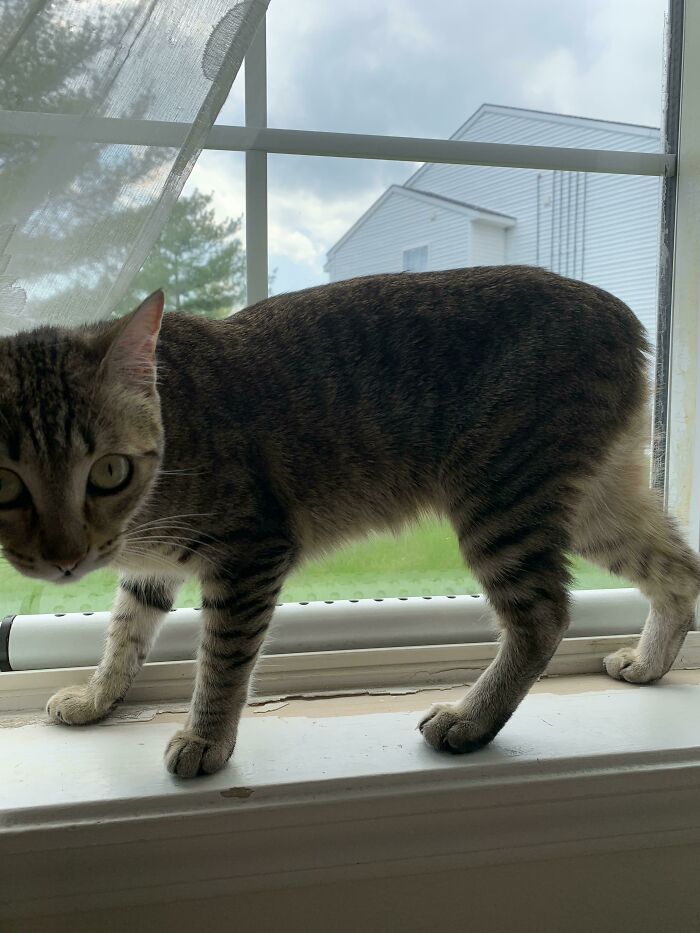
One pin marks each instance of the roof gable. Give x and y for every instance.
(640, 137)
(450, 204)
(643, 134)
(545, 116)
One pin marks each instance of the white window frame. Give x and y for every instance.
(366, 800)
(680, 283)
(410, 249)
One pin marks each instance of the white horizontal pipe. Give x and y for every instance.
(338, 145)
(39, 642)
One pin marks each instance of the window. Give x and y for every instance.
(567, 173)
(415, 259)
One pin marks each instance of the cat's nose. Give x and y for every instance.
(69, 565)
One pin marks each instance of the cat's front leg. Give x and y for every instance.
(139, 609)
(237, 607)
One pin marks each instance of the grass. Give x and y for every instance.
(422, 562)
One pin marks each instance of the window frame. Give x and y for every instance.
(676, 406)
(412, 249)
(448, 812)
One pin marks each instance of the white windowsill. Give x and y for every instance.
(326, 789)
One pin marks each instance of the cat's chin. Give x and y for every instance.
(66, 580)
(53, 576)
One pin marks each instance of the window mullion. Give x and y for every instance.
(256, 170)
(683, 442)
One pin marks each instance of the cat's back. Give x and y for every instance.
(480, 311)
(483, 298)
(386, 376)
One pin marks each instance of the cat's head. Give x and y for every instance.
(81, 441)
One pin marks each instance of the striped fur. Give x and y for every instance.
(509, 400)
(139, 609)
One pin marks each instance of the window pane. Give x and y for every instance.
(200, 261)
(602, 229)
(416, 259)
(412, 68)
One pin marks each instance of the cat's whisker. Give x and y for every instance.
(171, 518)
(184, 534)
(176, 543)
(152, 534)
(172, 522)
(158, 558)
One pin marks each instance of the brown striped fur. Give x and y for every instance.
(508, 399)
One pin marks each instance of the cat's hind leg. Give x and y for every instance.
(518, 553)
(620, 525)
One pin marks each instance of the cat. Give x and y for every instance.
(508, 399)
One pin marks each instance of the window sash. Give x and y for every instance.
(676, 460)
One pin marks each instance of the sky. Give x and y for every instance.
(417, 68)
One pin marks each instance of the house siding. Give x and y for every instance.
(401, 223)
(488, 244)
(599, 228)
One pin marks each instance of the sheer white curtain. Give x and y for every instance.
(81, 203)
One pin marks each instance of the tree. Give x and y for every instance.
(53, 65)
(199, 261)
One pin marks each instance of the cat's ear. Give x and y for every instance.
(131, 355)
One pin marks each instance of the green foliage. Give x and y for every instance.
(57, 67)
(199, 261)
(424, 561)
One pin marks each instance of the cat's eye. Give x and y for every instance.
(110, 474)
(11, 489)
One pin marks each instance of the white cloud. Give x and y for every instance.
(303, 225)
(407, 67)
(614, 72)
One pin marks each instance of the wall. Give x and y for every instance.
(400, 223)
(620, 892)
(602, 228)
(488, 245)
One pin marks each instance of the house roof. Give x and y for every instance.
(450, 204)
(544, 116)
(547, 116)
(632, 129)
(442, 199)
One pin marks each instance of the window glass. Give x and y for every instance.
(410, 68)
(603, 229)
(416, 259)
(577, 75)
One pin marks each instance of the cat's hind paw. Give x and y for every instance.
(76, 706)
(627, 664)
(188, 755)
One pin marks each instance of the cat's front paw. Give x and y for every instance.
(188, 755)
(446, 728)
(76, 706)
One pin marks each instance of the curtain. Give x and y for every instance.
(82, 199)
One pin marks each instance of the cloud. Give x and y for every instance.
(406, 67)
(615, 72)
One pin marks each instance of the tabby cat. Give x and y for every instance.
(508, 399)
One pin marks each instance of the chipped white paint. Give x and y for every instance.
(321, 673)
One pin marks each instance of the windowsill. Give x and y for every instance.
(327, 788)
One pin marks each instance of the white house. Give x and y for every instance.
(596, 227)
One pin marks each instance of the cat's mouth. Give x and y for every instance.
(37, 569)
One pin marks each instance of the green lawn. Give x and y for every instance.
(421, 562)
